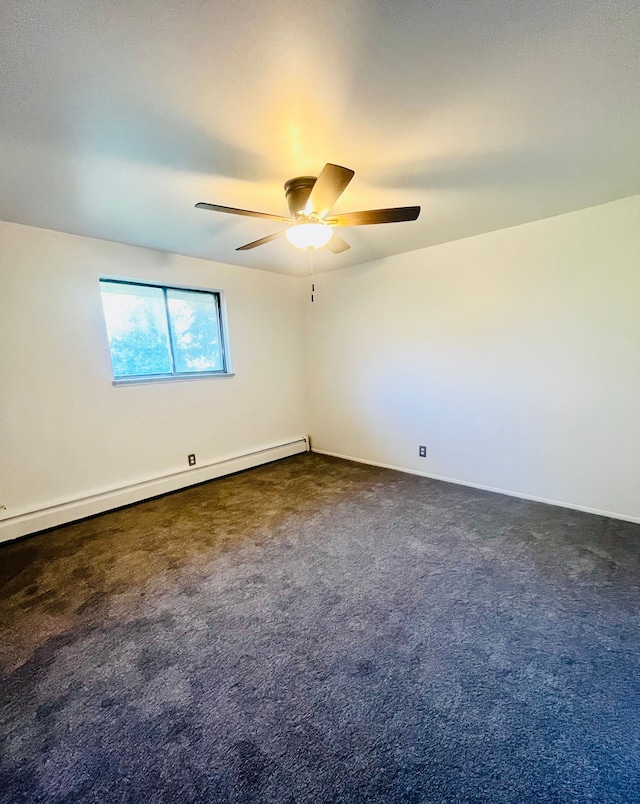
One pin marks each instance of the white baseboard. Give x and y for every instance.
(584, 508)
(62, 512)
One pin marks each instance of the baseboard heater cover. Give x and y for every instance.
(61, 513)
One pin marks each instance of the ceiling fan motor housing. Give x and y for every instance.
(297, 192)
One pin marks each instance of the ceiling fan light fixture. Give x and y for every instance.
(309, 235)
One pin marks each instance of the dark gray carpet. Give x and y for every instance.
(321, 631)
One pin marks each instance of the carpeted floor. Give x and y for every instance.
(321, 631)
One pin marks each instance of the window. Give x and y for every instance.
(158, 332)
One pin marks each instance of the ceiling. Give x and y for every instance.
(116, 116)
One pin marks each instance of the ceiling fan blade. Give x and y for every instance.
(260, 242)
(329, 186)
(247, 212)
(337, 244)
(368, 216)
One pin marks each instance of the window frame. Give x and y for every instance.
(221, 307)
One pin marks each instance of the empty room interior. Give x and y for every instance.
(320, 401)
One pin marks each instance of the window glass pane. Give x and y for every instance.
(195, 330)
(137, 329)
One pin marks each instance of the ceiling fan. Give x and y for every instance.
(310, 200)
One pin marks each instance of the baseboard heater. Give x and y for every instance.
(63, 512)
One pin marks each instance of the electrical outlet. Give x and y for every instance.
(422, 451)
(192, 459)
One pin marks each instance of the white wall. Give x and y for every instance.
(514, 356)
(67, 432)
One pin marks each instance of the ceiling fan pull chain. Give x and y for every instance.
(313, 286)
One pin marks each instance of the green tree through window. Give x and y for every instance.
(158, 331)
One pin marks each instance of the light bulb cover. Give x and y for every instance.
(309, 235)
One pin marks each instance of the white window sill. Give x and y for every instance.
(173, 378)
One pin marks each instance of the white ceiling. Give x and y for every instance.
(116, 116)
